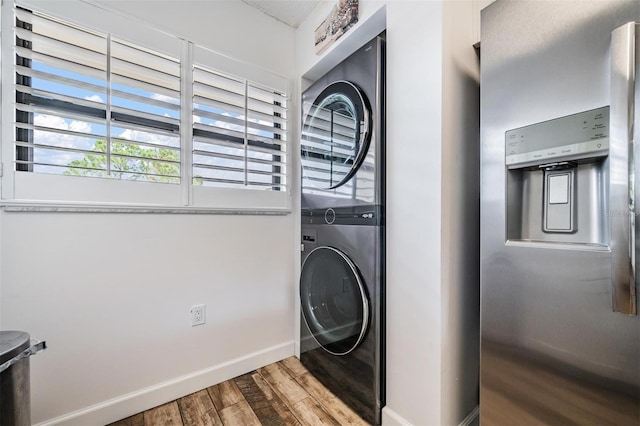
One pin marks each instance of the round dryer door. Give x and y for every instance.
(335, 136)
(333, 300)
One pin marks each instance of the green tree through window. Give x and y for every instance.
(129, 161)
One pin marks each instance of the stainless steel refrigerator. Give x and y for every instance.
(560, 173)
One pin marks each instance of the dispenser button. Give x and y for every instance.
(559, 189)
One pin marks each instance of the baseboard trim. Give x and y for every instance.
(391, 418)
(296, 348)
(470, 417)
(135, 402)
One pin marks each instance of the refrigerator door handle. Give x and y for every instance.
(622, 197)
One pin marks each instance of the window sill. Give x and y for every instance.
(71, 207)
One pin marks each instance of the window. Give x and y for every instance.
(162, 128)
(91, 105)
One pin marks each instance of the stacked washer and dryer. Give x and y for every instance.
(343, 197)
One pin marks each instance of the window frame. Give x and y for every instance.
(26, 191)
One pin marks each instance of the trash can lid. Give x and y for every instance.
(12, 343)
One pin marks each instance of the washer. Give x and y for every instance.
(342, 274)
(342, 306)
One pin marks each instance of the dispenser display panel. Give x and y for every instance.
(574, 137)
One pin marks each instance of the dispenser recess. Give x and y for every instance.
(557, 179)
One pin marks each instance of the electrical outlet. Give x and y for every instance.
(198, 315)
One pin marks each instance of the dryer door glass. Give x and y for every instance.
(333, 300)
(335, 136)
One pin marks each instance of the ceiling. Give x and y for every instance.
(290, 12)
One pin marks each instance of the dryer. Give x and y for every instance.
(342, 274)
(342, 140)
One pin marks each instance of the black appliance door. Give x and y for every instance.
(335, 135)
(333, 300)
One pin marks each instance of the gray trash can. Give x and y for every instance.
(15, 404)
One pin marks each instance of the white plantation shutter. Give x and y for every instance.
(87, 105)
(61, 88)
(218, 129)
(139, 109)
(266, 132)
(145, 113)
(239, 133)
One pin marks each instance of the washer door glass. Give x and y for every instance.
(335, 135)
(333, 300)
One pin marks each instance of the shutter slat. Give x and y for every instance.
(217, 142)
(140, 73)
(219, 95)
(58, 148)
(145, 129)
(221, 121)
(98, 72)
(63, 50)
(252, 125)
(214, 79)
(27, 126)
(256, 115)
(144, 99)
(209, 154)
(60, 79)
(146, 143)
(258, 105)
(219, 131)
(63, 31)
(38, 163)
(51, 95)
(57, 113)
(173, 122)
(151, 88)
(265, 184)
(153, 60)
(222, 106)
(275, 150)
(269, 162)
(266, 96)
(214, 180)
(154, 159)
(214, 116)
(214, 167)
(234, 157)
(218, 134)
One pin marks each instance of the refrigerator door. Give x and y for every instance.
(560, 341)
(622, 186)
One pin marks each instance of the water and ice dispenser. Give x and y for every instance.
(557, 174)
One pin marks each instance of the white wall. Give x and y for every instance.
(230, 27)
(414, 78)
(460, 213)
(111, 293)
(432, 278)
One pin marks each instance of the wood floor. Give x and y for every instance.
(283, 393)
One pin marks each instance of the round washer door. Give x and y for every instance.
(335, 136)
(333, 300)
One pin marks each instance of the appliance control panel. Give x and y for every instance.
(574, 137)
